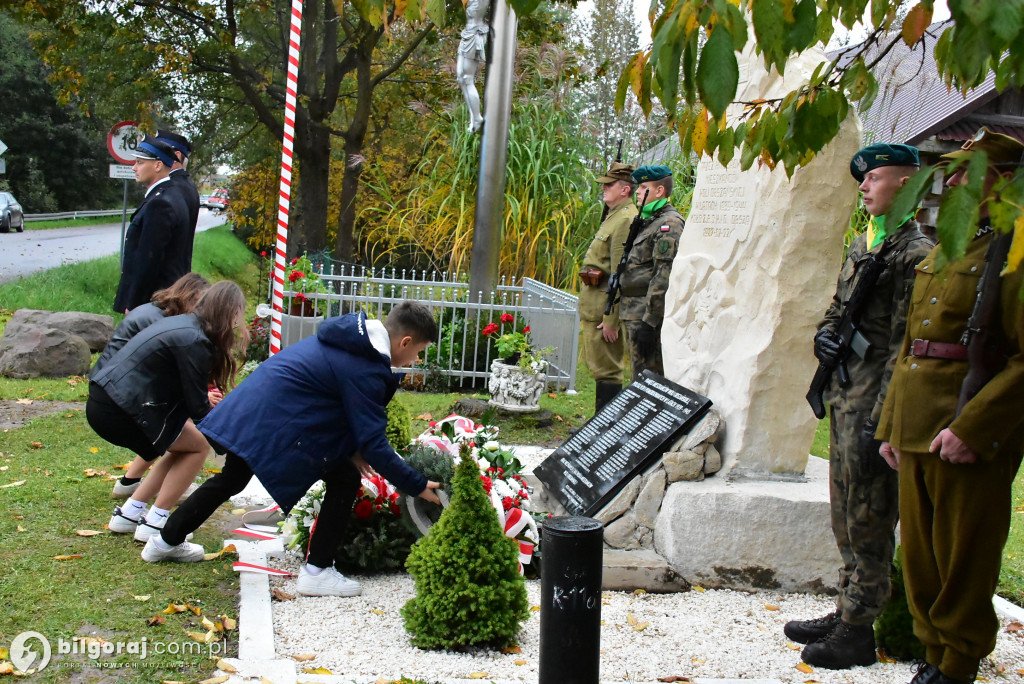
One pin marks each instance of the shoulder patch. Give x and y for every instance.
(664, 245)
(665, 228)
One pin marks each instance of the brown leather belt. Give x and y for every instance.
(938, 350)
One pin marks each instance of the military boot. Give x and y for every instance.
(845, 646)
(939, 678)
(925, 672)
(605, 392)
(809, 631)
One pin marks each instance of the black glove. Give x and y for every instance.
(826, 346)
(867, 449)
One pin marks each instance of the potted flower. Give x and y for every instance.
(518, 377)
(302, 280)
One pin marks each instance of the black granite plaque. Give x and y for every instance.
(622, 440)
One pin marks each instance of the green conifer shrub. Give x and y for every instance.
(399, 429)
(468, 588)
(894, 628)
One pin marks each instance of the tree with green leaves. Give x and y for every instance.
(697, 84)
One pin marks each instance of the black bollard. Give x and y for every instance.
(570, 601)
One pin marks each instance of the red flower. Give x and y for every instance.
(489, 329)
(396, 510)
(487, 483)
(523, 494)
(263, 254)
(295, 261)
(506, 318)
(433, 423)
(363, 509)
(295, 275)
(508, 503)
(526, 329)
(301, 297)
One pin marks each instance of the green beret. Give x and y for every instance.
(1002, 150)
(882, 154)
(650, 173)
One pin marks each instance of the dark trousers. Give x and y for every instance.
(342, 486)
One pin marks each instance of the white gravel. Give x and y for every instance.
(709, 634)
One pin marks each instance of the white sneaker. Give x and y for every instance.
(185, 552)
(123, 491)
(146, 529)
(329, 582)
(121, 523)
(187, 493)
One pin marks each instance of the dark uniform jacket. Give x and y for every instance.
(645, 280)
(924, 391)
(157, 247)
(188, 190)
(604, 254)
(160, 377)
(882, 321)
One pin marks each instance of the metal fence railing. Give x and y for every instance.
(63, 215)
(461, 352)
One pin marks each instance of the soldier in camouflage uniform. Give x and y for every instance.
(603, 347)
(645, 279)
(863, 489)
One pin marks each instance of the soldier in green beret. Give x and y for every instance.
(862, 489)
(957, 455)
(645, 278)
(603, 347)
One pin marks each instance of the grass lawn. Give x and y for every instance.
(74, 223)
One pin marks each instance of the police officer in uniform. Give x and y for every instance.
(603, 347)
(956, 468)
(645, 279)
(179, 175)
(863, 490)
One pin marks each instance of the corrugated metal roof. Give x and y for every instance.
(966, 128)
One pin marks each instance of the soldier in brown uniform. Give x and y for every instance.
(862, 489)
(645, 279)
(956, 469)
(603, 346)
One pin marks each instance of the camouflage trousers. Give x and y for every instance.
(865, 507)
(644, 344)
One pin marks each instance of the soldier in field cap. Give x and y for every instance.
(179, 176)
(603, 344)
(645, 280)
(953, 426)
(862, 489)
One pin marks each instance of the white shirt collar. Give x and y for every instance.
(162, 180)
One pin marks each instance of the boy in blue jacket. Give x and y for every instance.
(312, 412)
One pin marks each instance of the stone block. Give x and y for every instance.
(642, 569)
(31, 351)
(95, 329)
(751, 535)
(648, 501)
(702, 432)
(619, 534)
(683, 465)
(712, 460)
(622, 502)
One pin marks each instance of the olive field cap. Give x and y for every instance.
(178, 142)
(882, 154)
(617, 172)
(1002, 150)
(151, 148)
(651, 173)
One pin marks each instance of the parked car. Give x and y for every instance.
(204, 201)
(219, 200)
(11, 215)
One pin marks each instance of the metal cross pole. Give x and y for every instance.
(490, 193)
(287, 144)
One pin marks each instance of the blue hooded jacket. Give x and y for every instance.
(311, 405)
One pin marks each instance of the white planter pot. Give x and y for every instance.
(514, 388)
(296, 328)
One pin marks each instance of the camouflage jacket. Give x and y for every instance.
(882, 321)
(645, 279)
(605, 253)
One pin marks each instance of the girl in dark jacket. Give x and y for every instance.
(152, 391)
(179, 298)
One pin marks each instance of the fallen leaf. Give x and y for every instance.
(216, 680)
(770, 606)
(173, 608)
(3, 468)
(207, 624)
(92, 472)
(376, 611)
(121, 467)
(94, 450)
(552, 395)
(477, 675)
(1014, 627)
(201, 637)
(631, 619)
(264, 680)
(69, 557)
(6, 668)
(4, 653)
(304, 657)
(21, 529)
(237, 511)
(13, 484)
(519, 661)
(156, 620)
(228, 623)
(230, 548)
(1000, 668)
(281, 595)
(36, 445)
(511, 649)
(640, 626)
(26, 402)
(87, 533)
(534, 609)
(143, 597)
(196, 610)
(225, 666)
(805, 668)
(212, 471)
(316, 670)
(699, 588)
(424, 416)
(674, 678)
(794, 647)
(638, 592)
(698, 661)
(883, 658)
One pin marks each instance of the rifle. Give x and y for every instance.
(618, 158)
(850, 339)
(613, 281)
(984, 351)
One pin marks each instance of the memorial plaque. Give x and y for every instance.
(621, 441)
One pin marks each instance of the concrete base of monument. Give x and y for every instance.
(745, 534)
(641, 569)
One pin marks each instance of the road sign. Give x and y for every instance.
(3, 147)
(121, 141)
(123, 172)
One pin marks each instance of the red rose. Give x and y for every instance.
(263, 254)
(295, 275)
(487, 483)
(396, 510)
(489, 329)
(523, 494)
(300, 297)
(508, 503)
(526, 329)
(363, 509)
(295, 261)
(506, 318)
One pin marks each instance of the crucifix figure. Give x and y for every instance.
(471, 56)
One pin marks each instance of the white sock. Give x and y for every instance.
(156, 515)
(134, 509)
(313, 570)
(159, 543)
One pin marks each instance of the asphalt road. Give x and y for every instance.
(25, 253)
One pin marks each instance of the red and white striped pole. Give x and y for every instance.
(287, 144)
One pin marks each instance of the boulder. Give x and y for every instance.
(621, 503)
(620, 533)
(31, 351)
(648, 501)
(95, 329)
(712, 460)
(683, 465)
